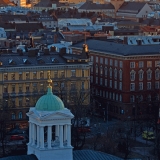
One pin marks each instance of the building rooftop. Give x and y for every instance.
(120, 48)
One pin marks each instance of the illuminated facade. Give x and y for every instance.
(23, 80)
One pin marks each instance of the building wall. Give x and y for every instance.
(21, 87)
(118, 94)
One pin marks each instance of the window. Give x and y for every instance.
(110, 95)
(120, 64)
(116, 63)
(110, 83)
(111, 62)
(100, 93)
(141, 72)
(149, 63)
(62, 74)
(157, 63)
(101, 60)
(149, 85)
(157, 85)
(120, 85)
(141, 64)
(83, 73)
(113, 96)
(140, 85)
(73, 85)
(20, 75)
(41, 87)
(105, 71)
(62, 86)
(115, 84)
(5, 89)
(20, 115)
(132, 86)
(101, 81)
(73, 73)
(27, 75)
(55, 74)
(132, 75)
(149, 74)
(13, 87)
(110, 72)
(132, 98)
(27, 101)
(34, 87)
(96, 69)
(96, 59)
(101, 70)
(132, 64)
(96, 80)
(27, 87)
(12, 76)
(20, 87)
(120, 98)
(106, 61)
(92, 69)
(13, 116)
(105, 82)
(34, 75)
(157, 74)
(115, 73)
(5, 76)
(149, 97)
(41, 74)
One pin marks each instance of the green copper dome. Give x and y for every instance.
(49, 102)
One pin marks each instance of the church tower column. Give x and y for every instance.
(38, 136)
(65, 132)
(30, 133)
(41, 137)
(69, 135)
(49, 136)
(33, 134)
(61, 135)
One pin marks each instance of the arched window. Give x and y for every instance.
(105, 71)
(20, 115)
(110, 72)
(13, 116)
(149, 97)
(96, 69)
(120, 74)
(157, 74)
(149, 74)
(141, 74)
(132, 75)
(132, 98)
(101, 70)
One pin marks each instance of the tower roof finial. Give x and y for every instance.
(49, 79)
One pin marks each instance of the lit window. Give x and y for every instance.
(149, 63)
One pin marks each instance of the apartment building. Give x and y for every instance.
(124, 76)
(23, 79)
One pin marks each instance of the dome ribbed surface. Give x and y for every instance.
(49, 102)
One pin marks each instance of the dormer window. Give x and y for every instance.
(54, 60)
(10, 61)
(25, 61)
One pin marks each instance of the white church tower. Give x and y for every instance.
(50, 128)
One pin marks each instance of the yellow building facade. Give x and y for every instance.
(21, 86)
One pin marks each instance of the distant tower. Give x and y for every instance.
(50, 128)
(117, 4)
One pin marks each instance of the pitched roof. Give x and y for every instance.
(131, 7)
(46, 3)
(93, 6)
(119, 48)
(92, 155)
